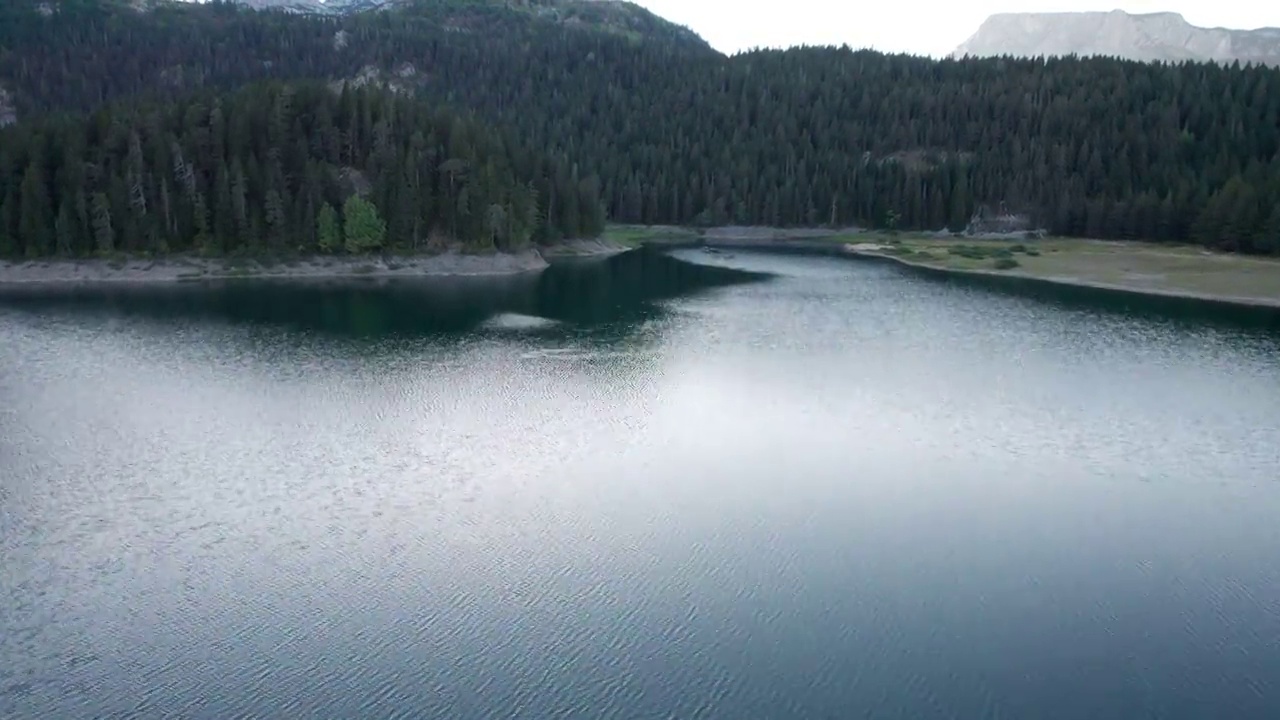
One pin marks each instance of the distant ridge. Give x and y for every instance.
(1164, 36)
(618, 17)
(354, 6)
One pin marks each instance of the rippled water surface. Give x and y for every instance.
(700, 487)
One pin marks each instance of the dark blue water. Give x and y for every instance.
(646, 488)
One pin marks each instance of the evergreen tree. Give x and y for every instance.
(103, 233)
(9, 246)
(1268, 238)
(64, 230)
(328, 230)
(35, 213)
(362, 226)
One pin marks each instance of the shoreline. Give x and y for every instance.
(1014, 274)
(597, 248)
(176, 269)
(1147, 259)
(52, 272)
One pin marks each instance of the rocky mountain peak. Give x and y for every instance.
(1161, 36)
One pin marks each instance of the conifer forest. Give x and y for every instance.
(172, 127)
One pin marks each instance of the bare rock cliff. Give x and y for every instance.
(1148, 37)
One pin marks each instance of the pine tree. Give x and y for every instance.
(224, 221)
(8, 241)
(276, 218)
(64, 230)
(328, 231)
(204, 239)
(1268, 238)
(103, 233)
(363, 227)
(36, 216)
(238, 185)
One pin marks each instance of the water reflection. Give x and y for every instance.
(615, 294)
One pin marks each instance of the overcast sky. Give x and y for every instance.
(922, 27)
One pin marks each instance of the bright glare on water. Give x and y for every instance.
(692, 487)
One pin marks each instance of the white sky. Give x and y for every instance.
(921, 27)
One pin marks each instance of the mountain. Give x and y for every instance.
(332, 7)
(309, 6)
(616, 16)
(1147, 37)
(675, 133)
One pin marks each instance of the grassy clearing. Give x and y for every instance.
(636, 235)
(1147, 267)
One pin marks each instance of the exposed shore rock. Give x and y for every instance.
(180, 269)
(190, 268)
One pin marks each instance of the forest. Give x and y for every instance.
(679, 134)
(280, 169)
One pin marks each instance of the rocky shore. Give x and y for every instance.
(192, 268)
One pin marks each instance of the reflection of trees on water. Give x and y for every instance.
(604, 302)
(615, 296)
(350, 308)
(626, 288)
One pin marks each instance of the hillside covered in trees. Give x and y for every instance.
(279, 168)
(679, 134)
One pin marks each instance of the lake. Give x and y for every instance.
(657, 486)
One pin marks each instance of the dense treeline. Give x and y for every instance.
(279, 168)
(680, 135)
